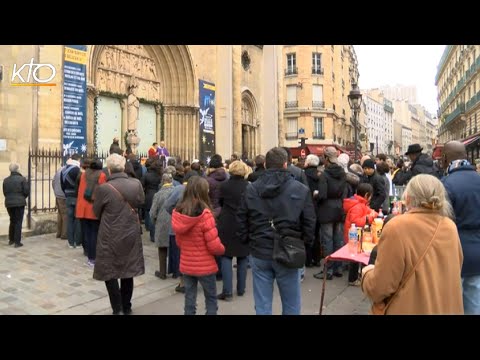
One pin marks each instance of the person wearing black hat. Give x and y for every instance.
(377, 182)
(421, 164)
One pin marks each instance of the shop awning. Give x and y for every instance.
(471, 140)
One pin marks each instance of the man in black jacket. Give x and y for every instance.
(275, 198)
(332, 191)
(378, 184)
(421, 164)
(15, 190)
(259, 168)
(298, 173)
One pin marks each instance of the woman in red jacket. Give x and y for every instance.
(198, 241)
(89, 180)
(357, 211)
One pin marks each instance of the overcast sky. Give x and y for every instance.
(401, 64)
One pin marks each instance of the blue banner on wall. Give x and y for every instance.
(74, 100)
(207, 120)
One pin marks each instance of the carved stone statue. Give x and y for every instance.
(132, 107)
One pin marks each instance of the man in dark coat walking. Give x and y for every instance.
(119, 243)
(275, 198)
(421, 164)
(463, 187)
(15, 190)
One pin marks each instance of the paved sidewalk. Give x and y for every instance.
(45, 276)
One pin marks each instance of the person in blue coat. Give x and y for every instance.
(463, 186)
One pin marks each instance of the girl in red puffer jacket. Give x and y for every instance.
(197, 238)
(357, 211)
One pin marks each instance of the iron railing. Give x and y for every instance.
(318, 104)
(291, 104)
(291, 70)
(43, 164)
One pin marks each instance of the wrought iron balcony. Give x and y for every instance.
(291, 104)
(291, 135)
(291, 70)
(317, 70)
(318, 104)
(318, 135)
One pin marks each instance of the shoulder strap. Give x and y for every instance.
(414, 268)
(122, 197)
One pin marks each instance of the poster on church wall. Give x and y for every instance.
(207, 120)
(74, 100)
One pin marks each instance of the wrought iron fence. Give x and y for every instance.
(42, 167)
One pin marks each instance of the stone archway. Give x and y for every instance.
(249, 125)
(165, 87)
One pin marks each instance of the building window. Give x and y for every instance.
(317, 64)
(317, 96)
(292, 129)
(292, 101)
(318, 128)
(291, 64)
(246, 60)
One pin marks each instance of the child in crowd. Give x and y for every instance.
(198, 241)
(357, 212)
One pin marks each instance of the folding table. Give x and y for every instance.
(342, 254)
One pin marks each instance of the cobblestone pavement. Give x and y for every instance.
(46, 277)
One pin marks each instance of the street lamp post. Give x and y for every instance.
(355, 102)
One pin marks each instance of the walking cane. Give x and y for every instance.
(324, 283)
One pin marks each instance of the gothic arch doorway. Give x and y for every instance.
(165, 87)
(249, 125)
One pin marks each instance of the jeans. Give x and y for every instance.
(120, 297)
(149, 225)
(209, 284)
(331, 235)
(471, 295)
(264, 272)
(62, 218)
(90, 231)
(227, 274)
(74, 231)
(173, 257)
(16, 220)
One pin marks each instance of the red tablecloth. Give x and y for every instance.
(343, 254)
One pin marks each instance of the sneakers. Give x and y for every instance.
(18, 245)
(302, 277)
(91, 263)
(357, 282)
(71, 247)
(180, 289)
(11, 242)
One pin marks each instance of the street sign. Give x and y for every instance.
(301, 131)
(303, 154)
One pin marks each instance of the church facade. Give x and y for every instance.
(154, 90)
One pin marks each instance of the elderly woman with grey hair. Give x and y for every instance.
(119, 244)
(15, 189)
(162, 221)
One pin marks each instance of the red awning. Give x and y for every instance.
(471, 140)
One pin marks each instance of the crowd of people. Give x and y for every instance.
(201, 216)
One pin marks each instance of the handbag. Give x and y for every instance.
(289, 251)
(288, 248)
(381, 308)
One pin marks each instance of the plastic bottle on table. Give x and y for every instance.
(352, 240)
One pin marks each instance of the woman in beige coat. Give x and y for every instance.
(417, 270)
